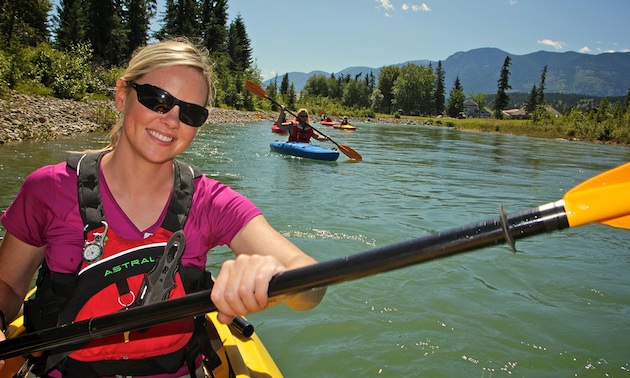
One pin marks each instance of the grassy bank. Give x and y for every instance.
(562, 128)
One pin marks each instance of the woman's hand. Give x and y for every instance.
(242, 285)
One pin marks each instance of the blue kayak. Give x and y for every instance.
(307, 150)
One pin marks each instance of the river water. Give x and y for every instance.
(559, 307)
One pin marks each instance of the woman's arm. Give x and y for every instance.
(261, 252)
(18, 263)
(281, 121)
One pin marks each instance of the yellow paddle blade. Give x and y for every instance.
(604, 198)
(255, 89)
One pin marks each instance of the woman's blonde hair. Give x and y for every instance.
(167, 53)
(302, 111)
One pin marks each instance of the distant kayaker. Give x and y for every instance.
(95, 226)
(344, 121)
(299, 129)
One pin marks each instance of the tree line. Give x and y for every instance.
(410, 89)
(82, 48)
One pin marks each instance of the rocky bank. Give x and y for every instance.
(33, 117)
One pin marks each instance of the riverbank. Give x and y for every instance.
(32, 117)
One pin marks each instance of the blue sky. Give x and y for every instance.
(330, 35)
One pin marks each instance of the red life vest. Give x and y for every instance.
(300, 133)
(119, 274)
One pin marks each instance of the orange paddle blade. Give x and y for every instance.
(604, 198)
(255, 89)
(349, 152)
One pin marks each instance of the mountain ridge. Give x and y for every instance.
(605, 74)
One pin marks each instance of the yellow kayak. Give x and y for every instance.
(345, 127)
(241, 356)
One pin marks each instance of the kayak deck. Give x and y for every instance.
(246, 356)
(240, 356)
(306, 150)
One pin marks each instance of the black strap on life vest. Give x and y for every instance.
(91, 206)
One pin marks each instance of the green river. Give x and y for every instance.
(559, 307)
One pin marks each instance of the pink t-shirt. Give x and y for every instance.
(46, 212)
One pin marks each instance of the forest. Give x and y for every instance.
(79, 53)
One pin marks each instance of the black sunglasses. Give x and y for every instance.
(160, 101)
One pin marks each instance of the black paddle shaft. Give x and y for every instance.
(535, 221)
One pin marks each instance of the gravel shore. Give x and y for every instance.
(32, 117)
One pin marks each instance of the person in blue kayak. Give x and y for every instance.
(95, 225)
(299, 129)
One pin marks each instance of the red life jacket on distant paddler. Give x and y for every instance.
(300, 133)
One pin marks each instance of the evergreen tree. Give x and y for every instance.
(23, 22)
(335, 87)
(70, 28)
(370, 81)
(284, 85)
(456, 99)
(502, 100)
(272, 92)
(239, 46)
(541, 88)
(439, 94)
(356, 94)
(138, 18)
(291, 97)
(181, 19)
(100, 19)
(532, 101)
(214, 25)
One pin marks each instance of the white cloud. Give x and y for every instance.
(584, 49)
(548, 42)
(512, 2)
(417, 8)
(385, 4)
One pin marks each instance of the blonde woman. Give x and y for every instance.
(73, 218)
(299, 129)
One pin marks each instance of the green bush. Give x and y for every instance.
(5, 72)
(73, 73)
(68, 75)
(105, 116)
